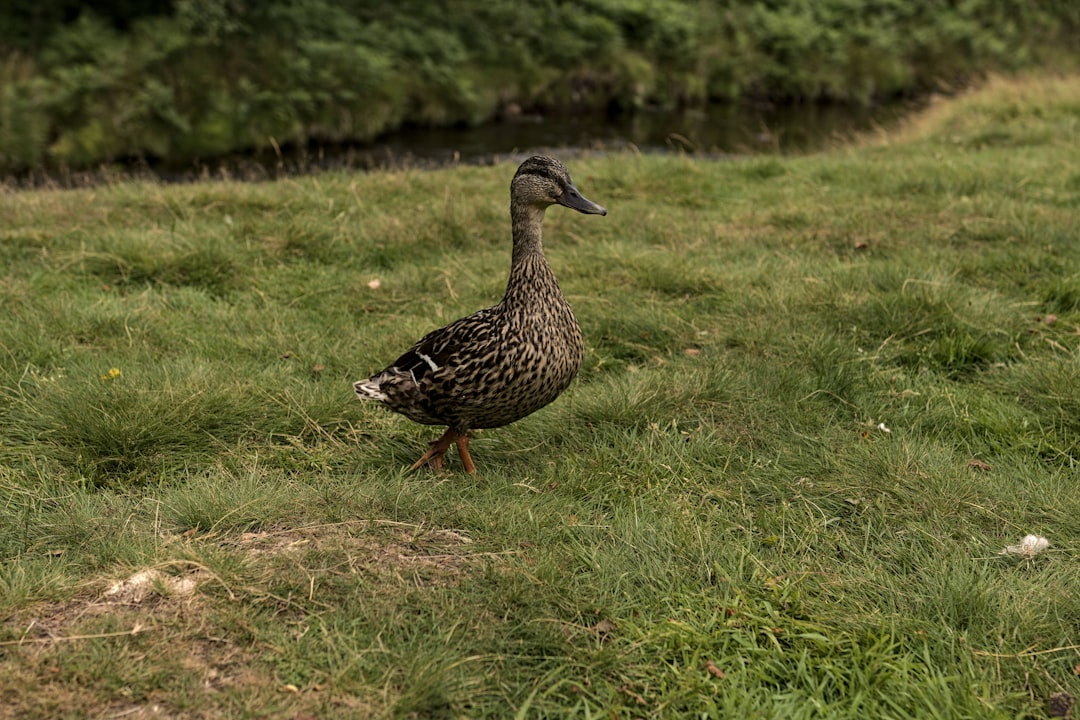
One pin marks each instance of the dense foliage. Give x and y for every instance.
(191, 78)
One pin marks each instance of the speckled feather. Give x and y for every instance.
(506, 361)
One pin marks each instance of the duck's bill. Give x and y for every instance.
(575, 200)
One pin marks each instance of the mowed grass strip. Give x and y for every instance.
(821, 395)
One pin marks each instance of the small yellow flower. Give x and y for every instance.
(112, 374)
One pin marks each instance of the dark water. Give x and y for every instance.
(716, 130)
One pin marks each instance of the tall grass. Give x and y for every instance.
(821, 395)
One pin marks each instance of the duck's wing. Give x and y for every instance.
(426, 378)
(445, 351)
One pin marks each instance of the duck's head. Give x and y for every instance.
(544, 181)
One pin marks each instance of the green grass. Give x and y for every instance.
(757, 501)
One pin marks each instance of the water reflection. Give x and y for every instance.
(714, 130)
(717, 129)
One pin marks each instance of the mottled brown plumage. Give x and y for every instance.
(506, 361)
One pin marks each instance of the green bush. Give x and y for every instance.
(199, 78)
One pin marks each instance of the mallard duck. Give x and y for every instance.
(504, 362)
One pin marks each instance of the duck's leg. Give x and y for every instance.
(434, 456)
(463, 452)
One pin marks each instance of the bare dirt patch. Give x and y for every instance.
(409, 553)
(88, 656)
(148, 589)
(388, 550)
(143, 642)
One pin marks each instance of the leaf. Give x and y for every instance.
(977, 464)
(716, 672)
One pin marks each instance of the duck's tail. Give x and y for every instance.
(369, 390)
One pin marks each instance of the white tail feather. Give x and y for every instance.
(369, 390)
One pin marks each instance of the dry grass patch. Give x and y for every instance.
(138, 598)
(1005, 110)
(121, 651)
(133, 646)
(384, 550)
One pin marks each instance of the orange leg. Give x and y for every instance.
(434, 456)
(463, 453)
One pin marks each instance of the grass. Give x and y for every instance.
(821, 394)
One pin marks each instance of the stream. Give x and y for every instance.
(716, 130)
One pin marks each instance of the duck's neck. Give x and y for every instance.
(529, 270)
(527, 220)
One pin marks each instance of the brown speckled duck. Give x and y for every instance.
(506, 361)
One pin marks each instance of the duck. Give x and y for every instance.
(504, 362)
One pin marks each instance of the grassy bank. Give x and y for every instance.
(198, 79)
(821, 395)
